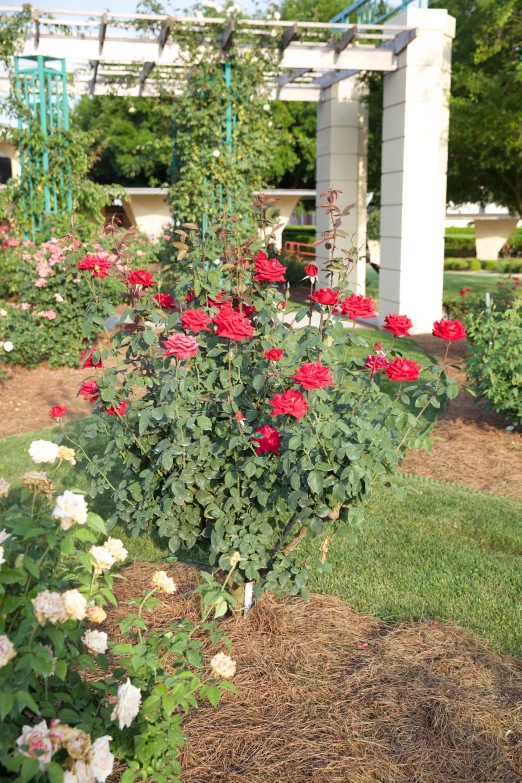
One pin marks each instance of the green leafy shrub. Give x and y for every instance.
(71, 698)
(475, 265)
(456, 264)
(468, 304)
(43, 318)
(459, 245)
(304, 234)
(217, 446)
(494, 360)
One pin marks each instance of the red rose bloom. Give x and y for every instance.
(248, 310)
(232, 324)
(451, 331)
(165, 300)
(358, 307)
(377, 347)
(182, 346)
(195, 320)
(274, 354)
(376, 363)
(311, 271)
(89, 391)
(269, 269)
(95, 264)
(269, 441)
(291, 402)
(119, 411)
(86, 359)
(57, 411)
(240, 416)
(219, 301)
(399, 325)
(325, 296)
(314, 375)
(141, 277)
(402, 370)
(191, 294)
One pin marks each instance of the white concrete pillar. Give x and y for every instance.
(414, 166)
(491, 234)
(342, 140)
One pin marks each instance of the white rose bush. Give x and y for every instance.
(73, 700)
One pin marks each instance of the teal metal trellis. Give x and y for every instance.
(43, 90)
(372, 11)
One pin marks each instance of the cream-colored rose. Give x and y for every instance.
(4, 488)
(83, 771)
(101, 759)
(69, 777)
(35, 743)
(77, 744)
(7, 650)
(2, 558)
(75, 604)
(223, 666)
(37, 481)
(95, 614)
(164, 583)
(95, 641)
(103, 560)
(64, 452)
(234, 560)
(116, 548)
(4, 535)
(70, 509)
(128, 704)
(43, 451)
(49, 606)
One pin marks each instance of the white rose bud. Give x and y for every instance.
(128, 704)
(8, 346)
(95, 641)
(164, 583)
(43, 451)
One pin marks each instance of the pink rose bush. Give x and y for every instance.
(77, 711)
(241, 432)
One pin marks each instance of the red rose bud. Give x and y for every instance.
(399, 325)
(191, 295)
(141, 277)
(119, 411)
(269, 441)
(195, 321)
(269, 270)
(402, 370)
(325, 296)
(450, 331)
(182, 346)
(240, 416)
(89, 391)
(314, 375)
(274, 354)
(311, 271)
(290, 402)
(220, 300)
(166, 301)
(376, 363)
(377, 347)
(95, 264)
(248, 310)
(57, 411)
(232, 324)
(86, 359)
(358, 307)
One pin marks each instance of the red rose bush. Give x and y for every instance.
(235, 431)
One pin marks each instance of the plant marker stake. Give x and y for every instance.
(488, 301)
(249, 598)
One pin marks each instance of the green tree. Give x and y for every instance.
(485, 142)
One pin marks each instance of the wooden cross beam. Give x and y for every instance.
(288, 36)
(225, 38)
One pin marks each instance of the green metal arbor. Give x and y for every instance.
(43, 90)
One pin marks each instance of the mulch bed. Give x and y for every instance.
(326, 695)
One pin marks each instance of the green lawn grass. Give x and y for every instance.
(453, 282)
(443, 553)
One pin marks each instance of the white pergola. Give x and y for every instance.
(107, 54)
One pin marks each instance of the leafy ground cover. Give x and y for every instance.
(441, 553)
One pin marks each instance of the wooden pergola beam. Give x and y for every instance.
(288, 36)
(346, 39)
(225, 38)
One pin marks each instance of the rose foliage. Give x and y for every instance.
(229, 448)
(72, 700)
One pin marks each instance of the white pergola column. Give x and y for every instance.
(414, 166)
(342, 140)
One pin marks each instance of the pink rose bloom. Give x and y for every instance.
(12, 242)
(50, 315)
(77, 280)
(25, 306)
(59, 298)
(140, 253)
(40, 282)
(182, 346)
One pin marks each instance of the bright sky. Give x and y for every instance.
(117, 6)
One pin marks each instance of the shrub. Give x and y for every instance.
(468, 303)
(494, 361)
(295, 274)
(218, 445)
(304, 234)
(475, 265)
(44, 318)
(456, 264)
(70, 697)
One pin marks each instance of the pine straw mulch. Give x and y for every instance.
(326, 695)
(475, 449)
